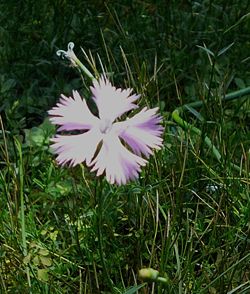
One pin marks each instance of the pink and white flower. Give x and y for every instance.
(116, 148)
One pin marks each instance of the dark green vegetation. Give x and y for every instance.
(188, 215)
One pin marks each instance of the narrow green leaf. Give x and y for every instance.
(195, 113)
(243, 18)
(134, 289)
(222, 51)
(208, 51)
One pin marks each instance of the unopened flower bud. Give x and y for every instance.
(148, 274)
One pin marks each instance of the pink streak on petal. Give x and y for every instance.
(142, 132)
(119, 164)
(74, 149)
(72, 114)
(112, 102)
(137, 146)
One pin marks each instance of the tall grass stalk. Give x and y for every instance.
(99, 205)
(188, 127)
(22, 205)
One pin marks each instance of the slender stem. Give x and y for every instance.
(227, 97)
(99, 218)
(163, 280)
(70, 55)
(84, 69)
(204, 290)
(187, 126)
(22, 212)
(5, 142)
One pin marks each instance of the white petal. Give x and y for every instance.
(72, 114)
(112, 102)
(119, 164)
(142, 132)
(74, 149)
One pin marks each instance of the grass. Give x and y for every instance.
(64, 231)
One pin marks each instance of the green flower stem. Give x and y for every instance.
(152, 275)
(162, 280)
(70, 55)
(99, 219)
(84, 69)
(22, 209)
(188, 127)
(227, 97)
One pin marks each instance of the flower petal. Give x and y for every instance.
(142, 132)
(112, 102)
(74, 149)
(72, 114)
(119, 164)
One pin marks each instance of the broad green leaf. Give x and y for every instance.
(46, 261)
(27, 259)
(42, 275)
(43, 252)
(7, 85)
(36, 260)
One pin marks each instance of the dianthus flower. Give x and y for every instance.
(116, 148)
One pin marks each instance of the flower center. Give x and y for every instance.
(105, 126)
